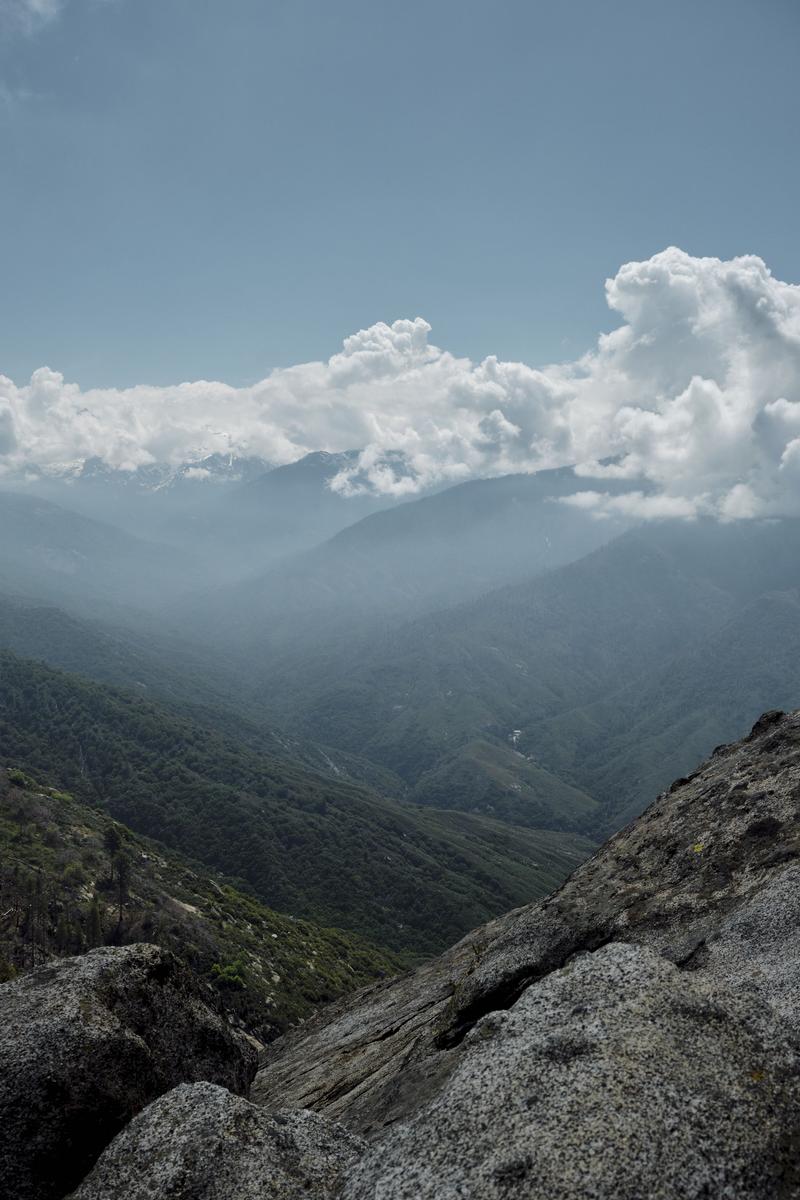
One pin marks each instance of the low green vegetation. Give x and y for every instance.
(71, 879)
(497, 779)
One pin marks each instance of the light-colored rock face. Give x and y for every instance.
(199, 1142)
(618, 1076)
(84, 1044)
(757, 947)
(713, 858)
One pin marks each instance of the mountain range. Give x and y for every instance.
(393, 717)
(230, 513)
(415, 557)
(262, 743)
(571, 697)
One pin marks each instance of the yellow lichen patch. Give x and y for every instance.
(698, 847)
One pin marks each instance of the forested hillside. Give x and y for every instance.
(563, 702)
(72, 878)
(406, 877)
(192, 679)
(574, 697)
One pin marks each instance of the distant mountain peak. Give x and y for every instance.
(216, 468)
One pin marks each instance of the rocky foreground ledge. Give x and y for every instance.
(85, 1043)
(635, 1035)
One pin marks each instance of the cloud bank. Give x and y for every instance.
(694, 398)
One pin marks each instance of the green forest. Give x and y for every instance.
(410, 878)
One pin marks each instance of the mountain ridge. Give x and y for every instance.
(561, 665)
(318, 847)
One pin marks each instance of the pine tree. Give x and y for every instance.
(122, 862)
(64, 933)
(94, 924)
(112, 840)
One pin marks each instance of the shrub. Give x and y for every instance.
(21, 780)
(7, 971)
(231, 975)
(73, 874)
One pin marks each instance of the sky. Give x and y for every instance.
(209, 189)
(491, 237)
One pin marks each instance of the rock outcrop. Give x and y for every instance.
(85, 1043)
(706, 879)
(615, 1077)
(636, 1034)
(198, 1142)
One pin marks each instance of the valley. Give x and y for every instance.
(427, 718)
(311, 845)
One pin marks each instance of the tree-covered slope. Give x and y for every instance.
(193, 680)
(703, 698)
(557, 674)
(406, 877)
(71, 878)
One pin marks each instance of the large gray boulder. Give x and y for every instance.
(706, 878)
(201, 1143)
(615, 1078)
(85, 1043)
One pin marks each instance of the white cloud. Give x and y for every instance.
(648, 507)
(695, 398)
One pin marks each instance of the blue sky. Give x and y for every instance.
(206, 189)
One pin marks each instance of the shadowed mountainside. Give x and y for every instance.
(338, 854)
(569, 697)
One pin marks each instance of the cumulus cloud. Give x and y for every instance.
(694, 398)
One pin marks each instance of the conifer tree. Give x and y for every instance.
(94, 924)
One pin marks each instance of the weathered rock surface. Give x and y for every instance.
(199, 1142)
(705, 878)
(636, 1034)
(84, 1044)
(617, 1076)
